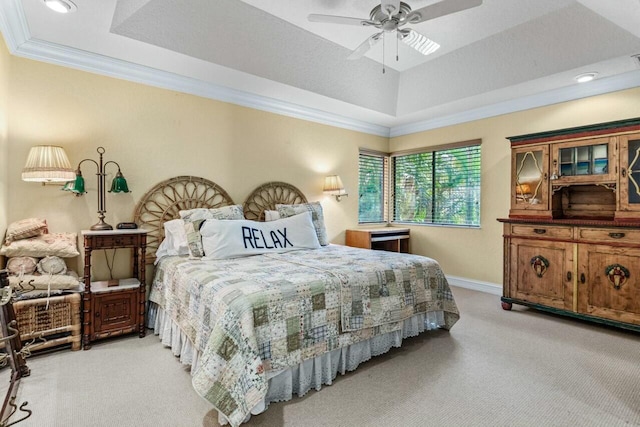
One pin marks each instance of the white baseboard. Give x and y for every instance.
(476, 285)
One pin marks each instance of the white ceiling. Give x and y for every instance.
(502, 56)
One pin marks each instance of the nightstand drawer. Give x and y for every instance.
(116, 241)
(542, 231)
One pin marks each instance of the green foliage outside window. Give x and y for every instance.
(431, 187)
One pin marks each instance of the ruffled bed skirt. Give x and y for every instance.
(311, 373)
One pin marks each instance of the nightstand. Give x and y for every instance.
(383, 239)
(114, 307)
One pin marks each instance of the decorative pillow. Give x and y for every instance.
(271, 215)
(230, 239)
(26, 228)
(316, 213)
(52, 265)
(194, 218)
(22, 265)
(175, 238)
(63, 245)
(29, 282)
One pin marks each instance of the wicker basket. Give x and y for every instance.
(61, 318)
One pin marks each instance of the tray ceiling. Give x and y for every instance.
(502, 55)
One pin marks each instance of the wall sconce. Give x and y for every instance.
(47, 163)
(333, 187)
(118, 185)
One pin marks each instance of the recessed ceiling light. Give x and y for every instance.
(586, 77)
(61, 6)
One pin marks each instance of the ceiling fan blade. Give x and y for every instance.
(390, 7)
(331, 19)
(419, 42)
(365, 46)
(442, 8)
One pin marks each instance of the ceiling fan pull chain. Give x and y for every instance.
(397, 53)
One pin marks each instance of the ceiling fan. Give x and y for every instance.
(390, 15)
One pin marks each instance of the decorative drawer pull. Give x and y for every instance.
(623, 172)
(582, 278)
(539, 265)
(617, 275)
(616, 235)
(539, 230)
(569, 276)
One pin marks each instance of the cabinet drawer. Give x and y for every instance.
(618, 235)
(115, 241)
(542, 231)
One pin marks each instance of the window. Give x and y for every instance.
(439, 185)
(372, 186)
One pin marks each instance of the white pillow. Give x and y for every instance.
(236, 238)
(175, 240)
(271, 215)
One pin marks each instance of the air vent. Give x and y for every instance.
(636, 59)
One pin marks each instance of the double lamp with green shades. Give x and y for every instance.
(118, 185)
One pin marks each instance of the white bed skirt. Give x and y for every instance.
(311, 373)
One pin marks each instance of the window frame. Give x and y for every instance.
(389, 182)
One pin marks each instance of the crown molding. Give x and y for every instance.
(13, 26)
(569, 93)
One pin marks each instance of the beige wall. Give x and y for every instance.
(4, 143)
(156, 134)
(477, 254)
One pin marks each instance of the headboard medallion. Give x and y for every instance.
(165, 201)
(267, 196)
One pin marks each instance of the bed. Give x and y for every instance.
(262, 328)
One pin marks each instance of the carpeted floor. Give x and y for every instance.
(494, 368)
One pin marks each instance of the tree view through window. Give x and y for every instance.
(430, 187)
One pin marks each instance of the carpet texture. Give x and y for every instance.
(494, 368)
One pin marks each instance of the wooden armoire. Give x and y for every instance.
(572, 239)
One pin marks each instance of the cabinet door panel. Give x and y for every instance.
(611, 288)
(115, 310)
(541, 272)
(630, 173)
(587, 161)
(530, 188)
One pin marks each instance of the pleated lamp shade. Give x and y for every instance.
(333, 186)
(47, 163)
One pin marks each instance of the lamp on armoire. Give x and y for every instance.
(118, 185)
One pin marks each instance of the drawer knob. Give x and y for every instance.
(616, 235)
(569, 276)
(582, 278)
(539, 230)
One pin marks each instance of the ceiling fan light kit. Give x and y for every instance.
(390, 15)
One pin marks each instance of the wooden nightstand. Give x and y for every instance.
(384, 239)
(117, 309)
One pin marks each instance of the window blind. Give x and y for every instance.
(372, 178)
(438, 187)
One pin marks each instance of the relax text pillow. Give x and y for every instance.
(229, 239)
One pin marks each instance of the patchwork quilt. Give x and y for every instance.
(250, 315)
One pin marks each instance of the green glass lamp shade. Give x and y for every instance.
(119, 184)
(77, 186)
